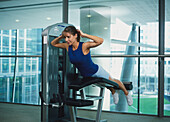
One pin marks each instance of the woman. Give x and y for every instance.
(79, 55)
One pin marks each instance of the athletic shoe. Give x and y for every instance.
(115, 97)
(129, 99)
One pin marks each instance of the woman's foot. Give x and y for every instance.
(129, 99)
(115, 98)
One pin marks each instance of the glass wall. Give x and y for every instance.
(20, 77)
(123, 24)
(147, 96)
(30, 14)
(167, 87)
(93, 18)
(21, 48)
(167, 27)
(167, 61)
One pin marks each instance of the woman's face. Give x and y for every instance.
(69, 38)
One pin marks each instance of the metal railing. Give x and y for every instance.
(20, 56)
(146, 55)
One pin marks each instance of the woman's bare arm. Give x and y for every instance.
(56, 43)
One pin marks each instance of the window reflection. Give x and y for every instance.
(24, 85)
(167, 88)
(119, 30)
(167, 64)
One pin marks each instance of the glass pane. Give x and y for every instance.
(25, 87)
(14, 32)
(167, 88)
(167, 27)
(167, 60)
(144, 68)
(13, 43)
(125, 70)
(116, 19)
(5, 65)
(120, 23)
(30, 41)
(7, 42)
(27, 83)
(6, 79)
(0, 40)
(20, 65)
(33, 18)
(6, 89)
(149, 38)
(5, 32)
(148, 86)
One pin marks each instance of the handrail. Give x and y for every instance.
(20, 55)
(148, 55)
(96, 56)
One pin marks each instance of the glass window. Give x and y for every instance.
(167, 27)
(6, 81)
(22, 88)
(34, 96)
(118, 23)
(112, 20)
(27, 95)
(167, 67)
(0, 41)
(26, 85)
(12, 64)
(5, 65)
(14, 33)
(5, 44)
(21, 64)
(27, 81)
(21, 46)
(30, 41)
(167, 89)
(34, 79)
(3, 89)
(34, 40)
(28, 64)
(13, 44)
(6, 32)
(34, 65)
(21, 33)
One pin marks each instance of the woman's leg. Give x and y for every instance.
(115, 95)
(121, 86)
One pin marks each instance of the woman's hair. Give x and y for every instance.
(72, 30)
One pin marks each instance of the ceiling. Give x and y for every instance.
(41, 13)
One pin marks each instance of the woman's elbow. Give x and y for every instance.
(52, 43)
(102, 40)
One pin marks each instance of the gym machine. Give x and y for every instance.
(55, 66)
(60, 83)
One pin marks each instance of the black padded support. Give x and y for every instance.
(78, 102)
(128, 85)
(80, 83)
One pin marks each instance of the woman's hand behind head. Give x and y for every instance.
(80, 32)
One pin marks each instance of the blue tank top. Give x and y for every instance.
(82, 62)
